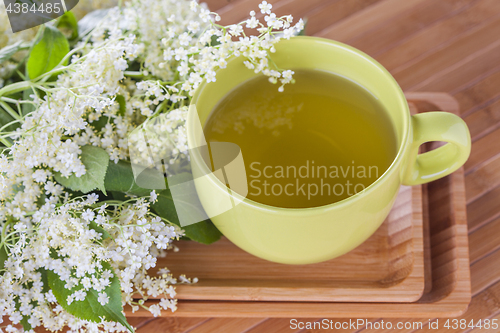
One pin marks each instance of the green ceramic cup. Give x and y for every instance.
(311, 235)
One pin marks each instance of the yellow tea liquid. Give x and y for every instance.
(322, 140)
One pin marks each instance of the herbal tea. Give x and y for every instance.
(322, 140)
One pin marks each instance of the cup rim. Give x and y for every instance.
(195, 158)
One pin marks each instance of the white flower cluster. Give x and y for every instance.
(187, 45)
(74, 239)
(50, 137)
(142, 62)
(162, 138)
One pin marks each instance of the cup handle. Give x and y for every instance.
(440, 162)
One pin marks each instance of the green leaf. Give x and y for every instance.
(90, 308)
(41, 200)
(9, 51)
(100, 123)
(68, 21)
(120, 178)
(202, 232)
(24, 321)
(45, 280)
(99, 229)
(214, 41)
(123, 105)
(120, 196)
(91, 20)
(3, 256)
(96, 161)
(48, 52)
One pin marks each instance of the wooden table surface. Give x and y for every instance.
(451, 46)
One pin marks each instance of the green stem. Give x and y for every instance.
(10, 111)
(9, 124)
(15, 101)
(159, 108)
(4, 229)
(134, 74)
(6, 143)
(15, 88)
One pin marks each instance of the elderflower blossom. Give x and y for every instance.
(184, 44)
(98, 100)
(66, 245)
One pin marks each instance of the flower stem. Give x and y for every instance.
(10, 110)
(15, 87)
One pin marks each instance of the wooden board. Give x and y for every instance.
(449, 294)
(388, 267)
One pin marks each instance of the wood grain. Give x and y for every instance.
(483, 150)
(438, 36)
(455, 52)
(215, 5)
(481, 94)
(485, 330)
(364, 20)
(484, 240)
(277, 326)
(410, 22)
(483, 121)
(333, 12)
(485, 272)
(171, 325)
(484, 209)
(238, 11)
(227, 325)
(482, 305)
(483, 179)
(454, 75)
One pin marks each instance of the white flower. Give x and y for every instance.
(193, 27)
(193, 6)
(235, 30)
(184, 39)
(287, 75)
(168, 304)
(273, 22)
(180, 53)
(183, 68)
(120, 64)
(80, 295)
(205, 15)
(155, 310)
(265, 8)
(252, 23)
(103, 298)
(210, 76)
(88, 215)
(288, 33)
(40, 175)
(92, 198)
(299, 26)
(153, 197)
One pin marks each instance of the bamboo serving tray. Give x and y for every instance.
(446, 286)
(388, 267)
